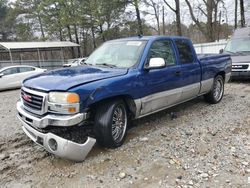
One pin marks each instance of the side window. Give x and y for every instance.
(185, 51)
(26, 69)
(163, 49)
(10, 71)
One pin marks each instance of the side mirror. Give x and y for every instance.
(221, 51)
(156, 63)
(1, 75)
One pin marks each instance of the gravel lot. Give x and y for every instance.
(205, 146)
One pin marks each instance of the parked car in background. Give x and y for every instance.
(75, 62)
(239, 49)
(13, 76)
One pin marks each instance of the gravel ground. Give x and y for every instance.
(204, 146)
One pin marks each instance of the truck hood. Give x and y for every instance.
(64, 79)
(241, 59)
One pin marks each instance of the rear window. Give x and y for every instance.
(26, 69)
(185, 51)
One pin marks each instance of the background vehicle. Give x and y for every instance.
(239, 49)
(122, 80)
(13, 76)
(75, 62)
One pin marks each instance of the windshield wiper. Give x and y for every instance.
(244, 52)
(230, 52)
(107, 65)
(238, 52)
(86, 63)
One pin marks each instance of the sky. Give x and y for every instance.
(185, 16)
(227, 12)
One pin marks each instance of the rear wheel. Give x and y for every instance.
(111, 121)
(217, 92)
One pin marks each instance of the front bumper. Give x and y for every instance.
(59, 146)
(51, 142)
(241, 74)
(49, 120)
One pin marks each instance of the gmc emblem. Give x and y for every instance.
(27, 98)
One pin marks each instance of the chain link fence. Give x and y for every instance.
(49, 65)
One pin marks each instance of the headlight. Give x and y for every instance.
(63, 98)
(64, 102)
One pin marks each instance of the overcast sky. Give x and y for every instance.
(227, 11)
(185, 17)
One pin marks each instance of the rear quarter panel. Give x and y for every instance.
(214, 64)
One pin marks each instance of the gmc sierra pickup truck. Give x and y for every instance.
(67, 110)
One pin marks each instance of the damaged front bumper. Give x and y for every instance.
(55, 144)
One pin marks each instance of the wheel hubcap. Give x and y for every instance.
(218, 89)
(119, 123)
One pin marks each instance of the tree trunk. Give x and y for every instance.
(236, 14)
(70, 38)
(93, 37)
(101, 31)
(178, 18)
(140, 32)
(242, 14)
(208, 32)
(210, 27)
(177, 15)
(218, 37)
(77, 40)
(163, 21)
(69, 33)
(60, 34)
(41, 26)
(85, 39)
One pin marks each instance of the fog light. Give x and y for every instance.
(72, 110)
(52, 144)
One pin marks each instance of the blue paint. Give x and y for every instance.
(94, 83)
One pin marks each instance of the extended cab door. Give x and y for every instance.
(161, 86)
(190, 69)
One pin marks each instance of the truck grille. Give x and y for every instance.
(32, 102)
(240, 66)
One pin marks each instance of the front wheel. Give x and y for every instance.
(217, 92)
(111, 121)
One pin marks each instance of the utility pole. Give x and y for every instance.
(163, 21)
(219, 27)
(235, 14)
(242, 13)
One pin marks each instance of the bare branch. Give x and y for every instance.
(174, 10)
(199, 7)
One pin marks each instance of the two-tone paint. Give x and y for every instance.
(145, 91)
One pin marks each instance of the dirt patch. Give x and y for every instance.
(204, 146)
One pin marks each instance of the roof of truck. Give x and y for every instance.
(154, 37)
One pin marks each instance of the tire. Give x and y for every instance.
(110, 125)
(217, 92)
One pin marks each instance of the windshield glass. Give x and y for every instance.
(238, 45)
(121, 54)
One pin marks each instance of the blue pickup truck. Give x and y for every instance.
(67, 110)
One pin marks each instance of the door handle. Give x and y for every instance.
(178, 73)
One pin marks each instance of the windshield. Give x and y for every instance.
(238, 45)
(121, 54)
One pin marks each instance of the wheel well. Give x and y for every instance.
(128, 100)
(222, 73)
